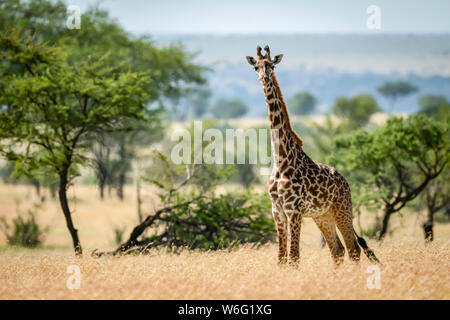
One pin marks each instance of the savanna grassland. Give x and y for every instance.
(410, 269)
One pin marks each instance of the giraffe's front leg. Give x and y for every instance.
(294, 224)
(281, 224)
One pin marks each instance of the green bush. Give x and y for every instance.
(392, 165)
(24, 232)
(118, 235)
(302, 103)
(217, 222)
(195, 215)
(357, 110)
(229, 108)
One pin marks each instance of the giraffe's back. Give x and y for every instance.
(309, 187)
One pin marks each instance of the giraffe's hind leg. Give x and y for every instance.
(281, 224)
(344, 222)
(294, 225)
(327, 226)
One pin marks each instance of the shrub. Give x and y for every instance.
(195, 216)
(25, 231)
(217, 222)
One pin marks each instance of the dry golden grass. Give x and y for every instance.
(408, 272)
(410, 269)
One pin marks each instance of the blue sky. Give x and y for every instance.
(262, 16)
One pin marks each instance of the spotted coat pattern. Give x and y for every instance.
(298, 186)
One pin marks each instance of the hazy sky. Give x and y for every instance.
(262, 16)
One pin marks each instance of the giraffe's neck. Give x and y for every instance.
(284, 140)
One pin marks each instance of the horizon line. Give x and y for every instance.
(296, 33)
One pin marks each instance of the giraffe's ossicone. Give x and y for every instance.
(300, 187)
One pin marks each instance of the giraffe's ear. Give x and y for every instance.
(251, 60)
(277, 58)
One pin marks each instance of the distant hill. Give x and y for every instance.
(326, 65)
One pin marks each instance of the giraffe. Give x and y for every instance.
(300, 187)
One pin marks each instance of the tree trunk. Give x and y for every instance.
(384, 226)
(101, 186)
(37, 186)
(102, 191)
(139, 200)
(428, 226)
(120, 184)
(140, 228)
(124, 165)
(65, 208)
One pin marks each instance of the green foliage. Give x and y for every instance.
(115, 151)
(217, 222)
(225, 109)
(171, 177)
(391, 166)
(199, 216)
(52, 109)
(39, 16)
(436, 106)
(118, 235)
(6, 171)
(168, 67)
(443, 216)
(243, 172)
(168, 70)
(302, 103)
(437, 194)
(246, 174)
(371, 232)
(322, 136)
(396, 89)
(356, 110)
(25, 231)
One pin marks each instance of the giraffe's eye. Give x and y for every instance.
(256, 68)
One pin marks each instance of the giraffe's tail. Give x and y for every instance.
(367, 251)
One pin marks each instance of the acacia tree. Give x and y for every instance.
(170, 67)
(396, 89)
(127, 144)
(356, 110)
(435, 106)
(51, 110)
(225, 108)
(105, 165)
(437, 197)
(302, 103)
(395, 163)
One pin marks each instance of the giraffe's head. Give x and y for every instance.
(264, 65)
